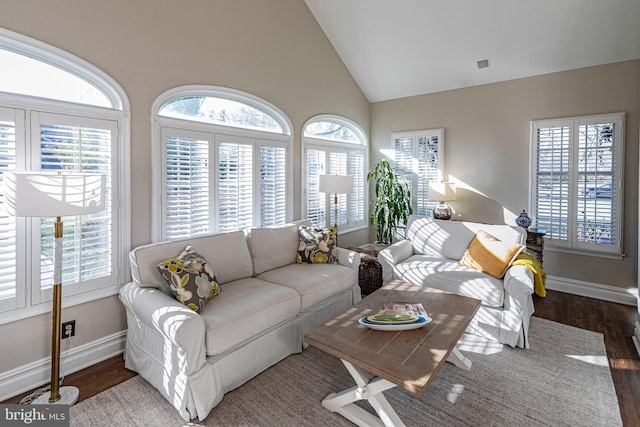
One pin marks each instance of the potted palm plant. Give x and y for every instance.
(392, 204)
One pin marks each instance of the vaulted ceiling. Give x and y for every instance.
(400, 48)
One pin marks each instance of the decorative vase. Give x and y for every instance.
(523, 220)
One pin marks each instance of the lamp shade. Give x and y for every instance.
(46, 194)
(442, 191)
(342, 184)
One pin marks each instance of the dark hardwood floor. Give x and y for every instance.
(614, 321)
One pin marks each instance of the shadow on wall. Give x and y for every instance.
(473, 206)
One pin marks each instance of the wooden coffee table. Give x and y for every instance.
(381, 360)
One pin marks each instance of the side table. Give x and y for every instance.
(535, 242)
(369, 272)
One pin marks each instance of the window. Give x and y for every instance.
(334, 145)
(74, 124)
(419, 159)
(577, 182)
(224, 161)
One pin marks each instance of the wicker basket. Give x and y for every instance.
(369, 273)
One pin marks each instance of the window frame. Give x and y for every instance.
(212, 132)
(32, 300)
(336, 146)
(572, 244)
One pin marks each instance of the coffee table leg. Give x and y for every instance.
(370, 388)
(459, 359)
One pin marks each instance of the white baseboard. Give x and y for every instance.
(593, 290)
(35, 374)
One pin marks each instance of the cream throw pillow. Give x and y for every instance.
(490, 255)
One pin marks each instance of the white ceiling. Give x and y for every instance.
(400, 48)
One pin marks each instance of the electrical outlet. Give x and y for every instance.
(68, 329)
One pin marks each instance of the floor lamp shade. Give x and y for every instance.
(337, 184)
(49, 194)
(53, 194)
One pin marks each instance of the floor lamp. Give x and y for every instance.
(336, 184)
(42, 194)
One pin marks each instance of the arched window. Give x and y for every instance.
(58, 112)
(334, 145)
(224, 162)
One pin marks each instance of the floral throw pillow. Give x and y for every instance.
(316, 246)
(190, 278)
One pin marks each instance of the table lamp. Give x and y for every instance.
(336, 184)
(51, 194)
(442, 192)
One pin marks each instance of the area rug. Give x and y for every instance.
(563, 380)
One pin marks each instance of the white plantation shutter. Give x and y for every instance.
(418, 160)
(597, 182)
(403, 147)
(273, 184)
(217, 182)
(86, 145)
(323, 159)
(11, 280)
(235, 182)
(315, 200)
(430, 162)
(552, 181)
(357, 197)
(338, 166)
(577, 194)
(186, 185)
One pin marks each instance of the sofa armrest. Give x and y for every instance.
(348, 258)
(181, 327)
(392, 255)
(518, 288)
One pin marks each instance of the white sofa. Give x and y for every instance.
(430, 256)
(266, 305)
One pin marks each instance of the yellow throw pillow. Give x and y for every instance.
(490, 255)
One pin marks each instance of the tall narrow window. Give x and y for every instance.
(418, 160)
(334, 145)
(577, 193)
(37, 82)
(225, 163)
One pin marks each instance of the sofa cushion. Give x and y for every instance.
(449, 275)
(490, 255)
(228, 254)
(316, 245)
(313, 282)
(273, 247)
(190, 278)
(439, 238)
(244, 309)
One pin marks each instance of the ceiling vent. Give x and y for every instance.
(482, 64)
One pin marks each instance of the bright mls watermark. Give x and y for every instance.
(34, 415)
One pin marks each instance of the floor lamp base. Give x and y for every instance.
(68, 396)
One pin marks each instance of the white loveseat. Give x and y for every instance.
(266, 305)
(430, 256)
